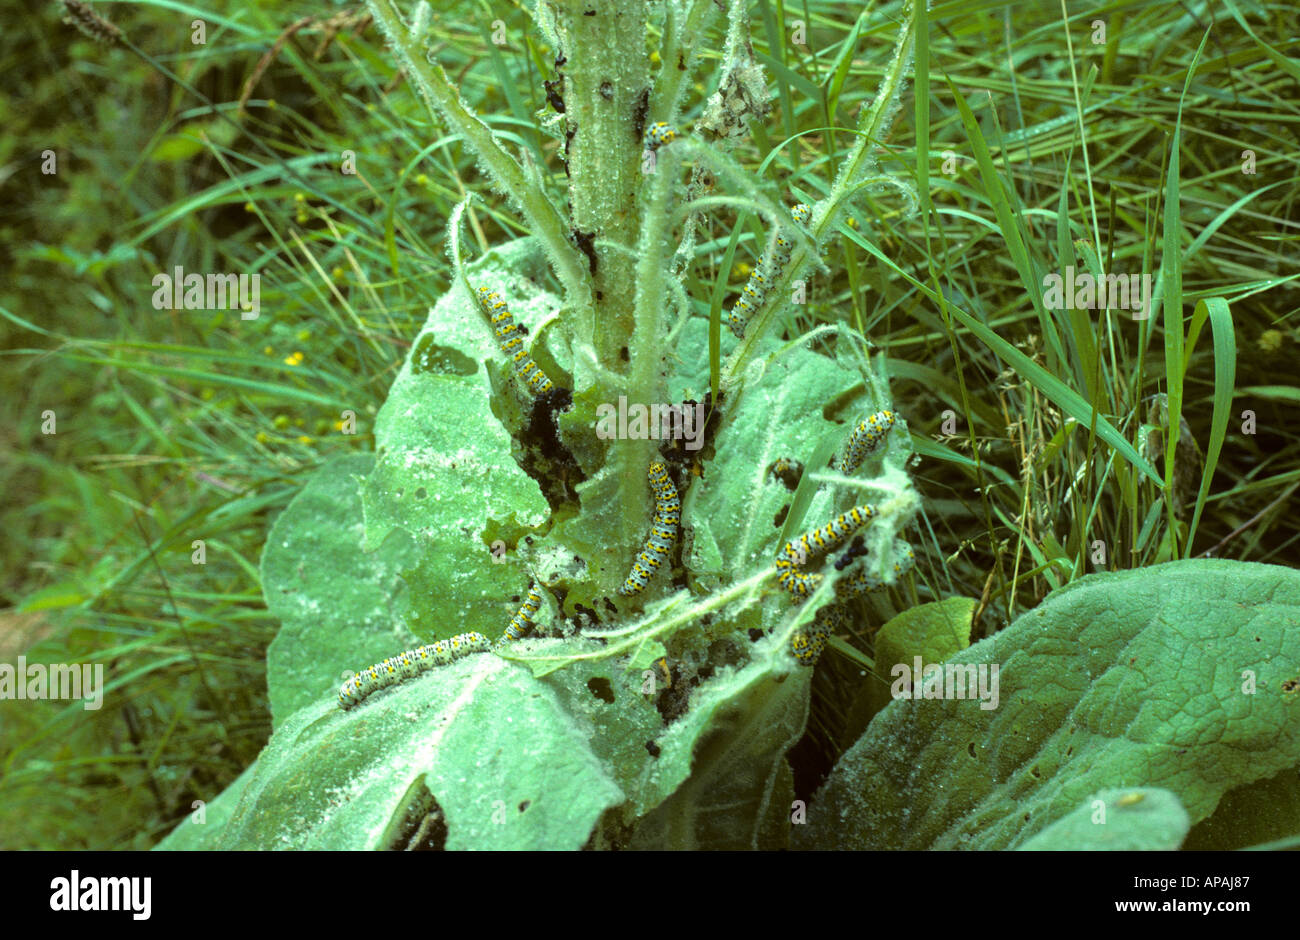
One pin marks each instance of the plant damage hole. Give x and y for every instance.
(599, 686)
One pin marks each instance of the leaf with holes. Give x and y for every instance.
(445, 471)
(497, 751)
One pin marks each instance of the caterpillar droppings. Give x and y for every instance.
(408, 664)
(857, 548)
(866, 439)
(663, 530)
(511, 340)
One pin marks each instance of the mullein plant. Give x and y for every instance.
(520, 624)
(676, 587)
(618, 230)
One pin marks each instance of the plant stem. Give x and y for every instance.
(606, 76)
(543, 218)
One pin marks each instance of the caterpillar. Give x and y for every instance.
(808, 645)
(659, 134)
(408, 664)
(866, 439)
(786, 470)
(522, 621)
(861, 582)
(511, 340)
(794, 554)
(769, 269)
(801, 213)
(663, 530)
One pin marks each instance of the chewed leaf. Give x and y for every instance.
(445, 471)
(504, 762)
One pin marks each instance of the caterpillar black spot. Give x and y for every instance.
(511, 340)
(659, 134)
(522, 621)
(663, 530)
(768, 271)
(861, 582)
(866, 439)
(796, 553)
(408, 664)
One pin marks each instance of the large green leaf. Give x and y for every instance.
(445, 473)
(340, 608)
(1178, 676)
(933, 631)
(505, 763)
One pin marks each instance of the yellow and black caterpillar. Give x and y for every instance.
(660, 133)
(511, 340)
(522, 621)
(808, 645)
(663, 530)
(768, 271)
(866, 439)
(409, 664)
(796, 553)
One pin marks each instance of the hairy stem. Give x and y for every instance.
(606, 76)
(543, 218)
